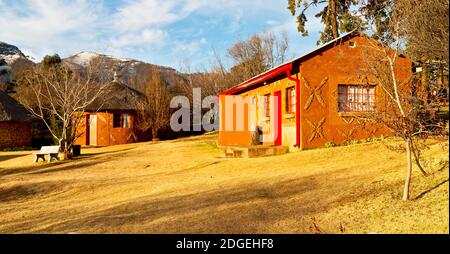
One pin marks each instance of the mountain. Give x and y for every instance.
(12, 62)
(10, 53)
(132, 72)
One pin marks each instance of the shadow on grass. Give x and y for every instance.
(19, 170)
(45, 167)
(431, 189)
(9, 157)
(26, 191)
(71, 166)
(90, 155)
(246, 208)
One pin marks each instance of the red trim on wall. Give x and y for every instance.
(278, 116)
(297, 107)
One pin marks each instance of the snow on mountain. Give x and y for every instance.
(130, 71)
(83, 58)
(10, 53)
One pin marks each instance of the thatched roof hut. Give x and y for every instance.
(12, 110)
(112, 118)
(118, 97)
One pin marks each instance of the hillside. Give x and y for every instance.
(132, 72)
(141, 188)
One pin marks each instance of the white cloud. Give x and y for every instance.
(138, 14)
(236, 21)
(190, 48)
(272, 22)
(44, 25)
(138, 28)
(146, 37)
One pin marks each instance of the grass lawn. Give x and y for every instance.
(186, 186)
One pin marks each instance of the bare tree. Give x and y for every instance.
(257, 54)
(250, 57)
(404, 110)
(425, 26)
(56, 92)
(154, 111)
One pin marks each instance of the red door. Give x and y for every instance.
(277, 110)
(87, 129)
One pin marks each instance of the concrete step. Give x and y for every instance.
(253, 151)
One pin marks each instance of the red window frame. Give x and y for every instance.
(290, 100)
(356, 98)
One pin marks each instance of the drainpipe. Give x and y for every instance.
(297, 106)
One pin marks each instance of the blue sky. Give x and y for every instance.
(165, 32)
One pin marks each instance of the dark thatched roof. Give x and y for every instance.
(11, 110)
(118, 97)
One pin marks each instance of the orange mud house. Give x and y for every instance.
(110, 120)
(308, 101)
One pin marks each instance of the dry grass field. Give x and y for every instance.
(187, 186)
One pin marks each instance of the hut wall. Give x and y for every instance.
(15, 134)
(107, 135)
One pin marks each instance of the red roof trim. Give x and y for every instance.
(259, 79)
(280, 69)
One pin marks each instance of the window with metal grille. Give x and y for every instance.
(290, 100)
(267, 105)
(356, 98)
(121, 121)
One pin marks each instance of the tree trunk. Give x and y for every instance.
(424, 81)
(333, 13)
(154, 134)
(64, 145)
(416, 157)
(409, 172)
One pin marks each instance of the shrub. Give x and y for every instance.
(329, 144)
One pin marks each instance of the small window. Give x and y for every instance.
(356, 98)
(116, 120)
(290, 100)
(267, 105)
(121, 121)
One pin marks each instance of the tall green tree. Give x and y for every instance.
(336, 15)
(378, 14)
(51, 60)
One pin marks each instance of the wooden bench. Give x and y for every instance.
(51, 151)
